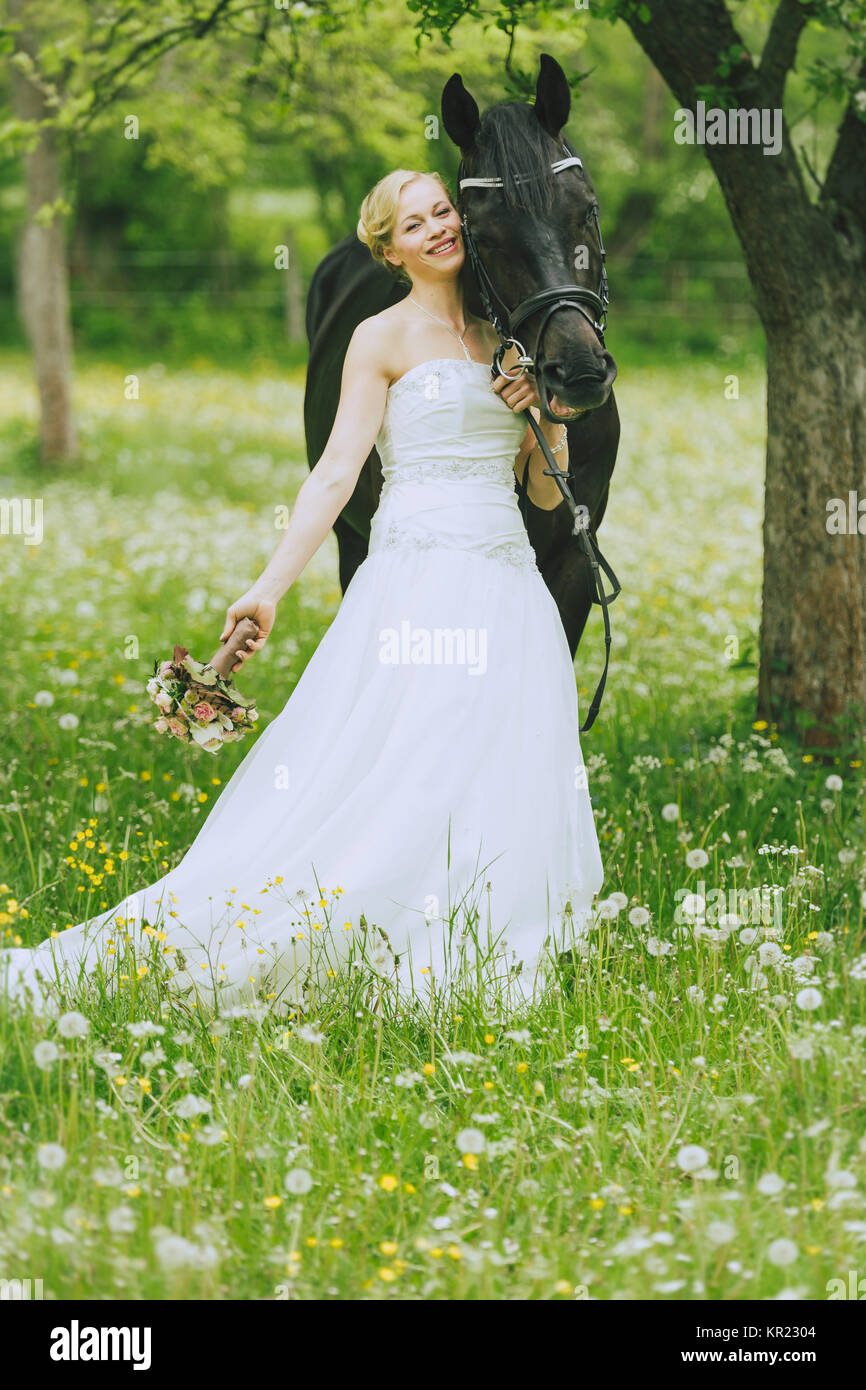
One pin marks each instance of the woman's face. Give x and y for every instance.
(426, 239)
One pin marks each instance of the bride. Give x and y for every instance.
(419, 806)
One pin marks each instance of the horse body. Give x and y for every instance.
(348, 286)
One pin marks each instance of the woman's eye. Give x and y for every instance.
(441, 212)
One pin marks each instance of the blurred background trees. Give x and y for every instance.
(172, 221)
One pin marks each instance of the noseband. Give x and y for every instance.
(550, 299)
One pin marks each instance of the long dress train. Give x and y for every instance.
(425, 772)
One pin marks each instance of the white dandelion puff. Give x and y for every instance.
(121, 1221)
(697, 859)
(770, 1185)
(808, 999)
(782, 1252)
(45, 1053)
(769, 953)
(691, 1157)
(73, 1025)
(51, 1157)
(721, 1232)
(189, 1106)
(471, 1141)
(657, 947)
(297, 1181)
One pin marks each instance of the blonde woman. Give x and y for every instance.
(420, 803)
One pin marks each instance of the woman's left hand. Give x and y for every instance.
(517, 392)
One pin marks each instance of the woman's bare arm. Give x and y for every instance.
(541, 489)
(324, 494)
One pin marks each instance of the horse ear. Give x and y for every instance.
(552, 96)
(460, 115)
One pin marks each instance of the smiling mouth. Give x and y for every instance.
(444, 247)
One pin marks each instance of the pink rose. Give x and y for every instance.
(177, 727)
(161, 725)
(204, 712)
(163, 701)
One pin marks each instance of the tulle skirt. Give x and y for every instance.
(419, 809)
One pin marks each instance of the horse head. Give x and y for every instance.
(534, 229)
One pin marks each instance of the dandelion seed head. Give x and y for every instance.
(782, 1252)
(808, 999)
(692, 1157)
(73, 1025)
(51, 1157)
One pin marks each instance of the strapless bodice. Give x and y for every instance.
(447, 443)
(442, 420)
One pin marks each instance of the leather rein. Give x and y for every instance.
(549, 299)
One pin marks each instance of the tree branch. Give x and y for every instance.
(696, 48)
(106, 85)
(686, 43)
(845, 182)
(780, 48)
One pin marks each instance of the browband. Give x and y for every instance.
(497, 183)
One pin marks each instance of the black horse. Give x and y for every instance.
(527, 233)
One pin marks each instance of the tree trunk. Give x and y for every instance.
(43, 289)
(807, 266)
(813, 626)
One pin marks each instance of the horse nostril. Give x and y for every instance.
(595, 367)
(555, 374)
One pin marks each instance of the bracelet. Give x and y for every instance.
(561, 445)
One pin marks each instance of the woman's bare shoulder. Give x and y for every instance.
(381, 336)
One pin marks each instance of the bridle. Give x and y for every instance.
(550, 299)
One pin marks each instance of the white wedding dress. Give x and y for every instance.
(428, 762)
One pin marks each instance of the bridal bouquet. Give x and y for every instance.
(198, 701)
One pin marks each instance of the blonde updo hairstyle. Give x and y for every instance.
(379, 214)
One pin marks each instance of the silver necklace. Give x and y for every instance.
(452, 331)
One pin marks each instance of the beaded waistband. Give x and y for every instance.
(496, 470)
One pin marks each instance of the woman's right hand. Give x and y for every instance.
(253, 604)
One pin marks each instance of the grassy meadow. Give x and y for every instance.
(680, 1117)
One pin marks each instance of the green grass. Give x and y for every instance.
(652, 1127)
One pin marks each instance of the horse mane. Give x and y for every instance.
(511, 144)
